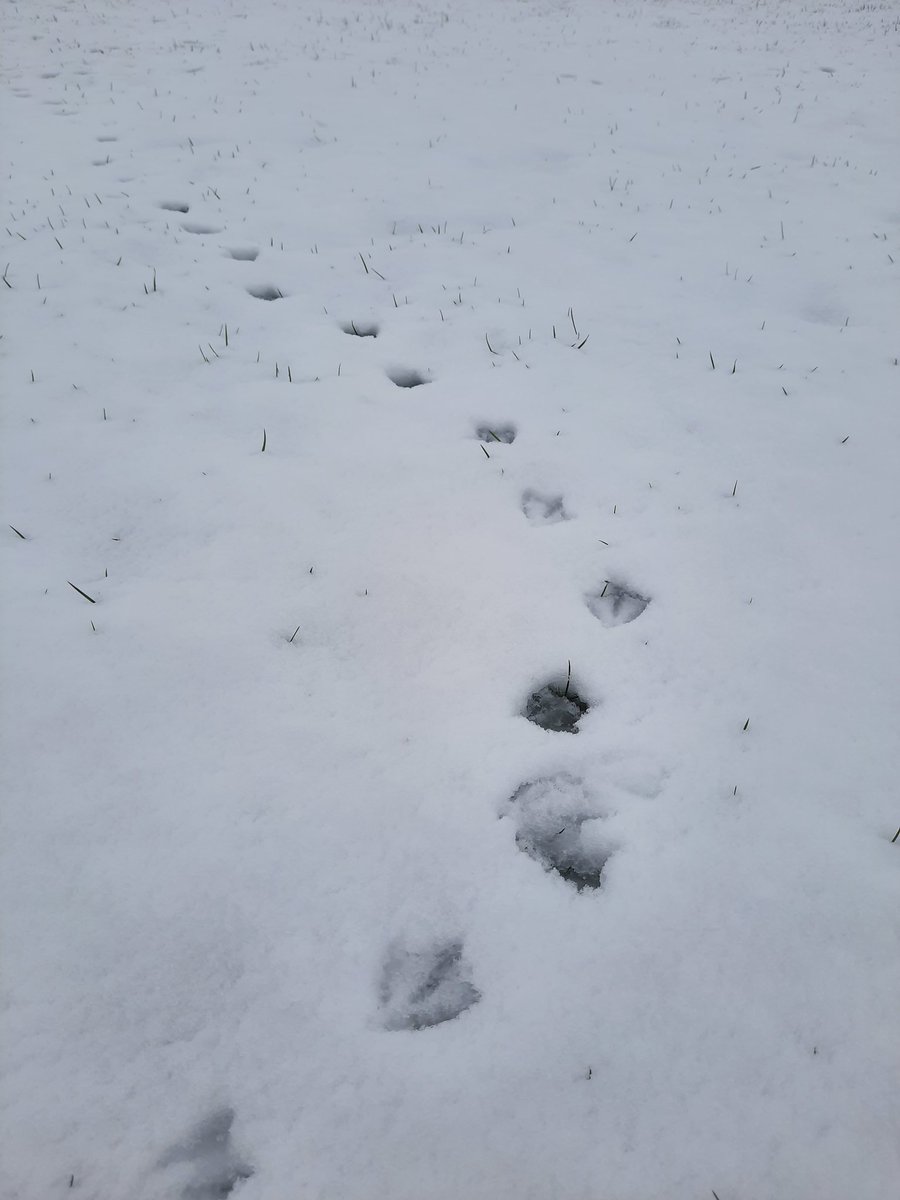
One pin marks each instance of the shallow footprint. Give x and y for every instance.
(560, 825)
(217, 1168)
(542, 509)
(426, 986)
(616, 604)
(496, 433)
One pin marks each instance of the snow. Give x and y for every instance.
(284, 910)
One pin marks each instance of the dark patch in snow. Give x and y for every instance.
(616, 604)
(217, 1168)
(542, 509)
(107, 137)
(424, 987)
(363, 329)
(406, 377)
(560, 826)
(196, 227)
(175, 206)
(556, 707)
(496, 433)
(266, 291)
(243, 253)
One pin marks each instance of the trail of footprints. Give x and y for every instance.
(557, 820)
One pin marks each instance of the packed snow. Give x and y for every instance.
(450, 560)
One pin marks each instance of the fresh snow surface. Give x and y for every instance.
(524, 301)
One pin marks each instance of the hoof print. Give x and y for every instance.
(405, 377)
(214, 1166)
(560, 825)
(266, 291)
(616, 604)
(496, 433)
(362, 329)
(542, 509)
(556, 707)
(425, 986)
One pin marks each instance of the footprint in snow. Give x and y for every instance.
(214, 1166)
(560, 824)
(543, 509)
(178, 206)
(363, 329)
(266, 291)
(406, 377)
(556, 707)
(497, 432)
(616, 604)
(425, 986)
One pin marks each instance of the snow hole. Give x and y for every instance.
(244, 253)
(175, 206)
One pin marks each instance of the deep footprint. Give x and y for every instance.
(496, 433)
(196, 227)
(560, 826)
(616, 604)
(178, 206)
(406, 377)
(244, 253)
(363, 329)
(217, 1168)
(266, 292)
(542, 509)
(556, 707)
(425, 987)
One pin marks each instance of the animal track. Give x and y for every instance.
(556, 707)
(266, 291)
(366, 329)
(244, 253)
(616, 604)
(542, 509)
(424, 987)
(405, 377)
(175, 206)
(560, 825)
(217, 1168)
(496, 433)
(196, 227)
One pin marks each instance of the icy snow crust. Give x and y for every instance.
(350, 350)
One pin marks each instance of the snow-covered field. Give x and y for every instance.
(298, 904)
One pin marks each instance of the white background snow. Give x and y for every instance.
(231, 855)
